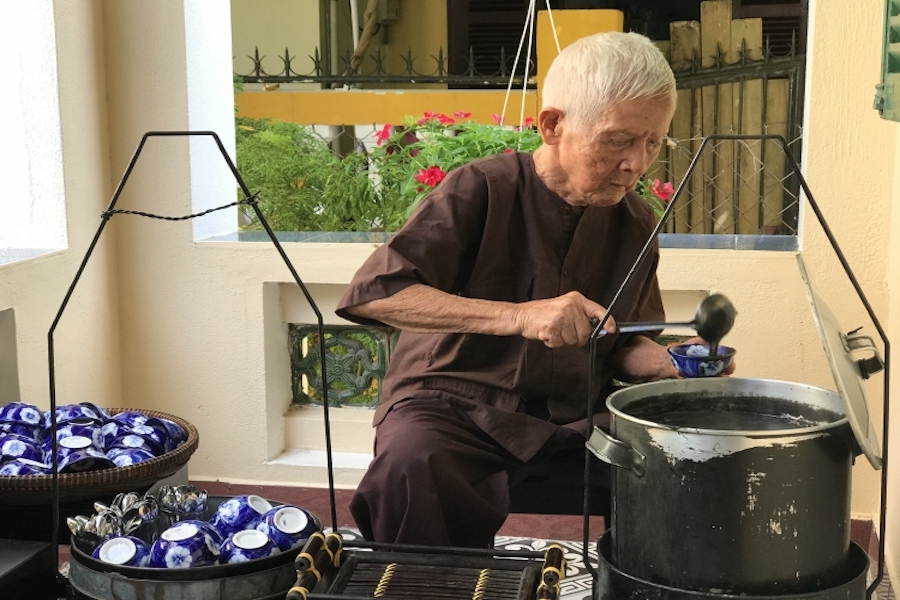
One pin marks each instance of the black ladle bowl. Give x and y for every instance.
(713, 320)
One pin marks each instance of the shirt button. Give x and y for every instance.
(566, 273)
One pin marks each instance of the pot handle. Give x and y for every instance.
(615, 452)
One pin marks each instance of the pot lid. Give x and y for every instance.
(852, 358)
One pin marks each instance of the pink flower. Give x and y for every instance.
(462, 114)
(664, 191)
(497, 118)
(431, 176)
(383, 135)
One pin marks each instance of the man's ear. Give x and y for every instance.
(549, 125)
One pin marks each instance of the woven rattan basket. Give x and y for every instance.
(38, 489)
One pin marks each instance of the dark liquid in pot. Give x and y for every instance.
(730, 413)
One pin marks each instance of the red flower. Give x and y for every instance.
(431, 176)
(383, 135)
(529, 121)
(508, 151)
(497, 118)
(664, 191)
(462, 114)
(441, 118)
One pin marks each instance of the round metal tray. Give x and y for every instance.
(96, 572)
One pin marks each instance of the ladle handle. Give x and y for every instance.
(637, 327)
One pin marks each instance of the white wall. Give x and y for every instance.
(31, 167)
(87, 337)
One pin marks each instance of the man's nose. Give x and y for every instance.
(636, 159)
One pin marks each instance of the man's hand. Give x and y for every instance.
(561, 321)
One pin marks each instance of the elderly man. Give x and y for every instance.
(494, 281)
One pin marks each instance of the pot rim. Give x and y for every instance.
(681, 385)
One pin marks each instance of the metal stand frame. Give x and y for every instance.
(250, 199)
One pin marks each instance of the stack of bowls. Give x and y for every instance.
(20, 440)
(87, 436)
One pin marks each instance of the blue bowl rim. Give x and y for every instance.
(725, 352)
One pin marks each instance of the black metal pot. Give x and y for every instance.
(729, 485)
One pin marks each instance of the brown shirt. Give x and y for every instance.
(493, 230)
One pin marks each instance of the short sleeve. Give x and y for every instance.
(436, 247)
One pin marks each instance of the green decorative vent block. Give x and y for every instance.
(356, 359)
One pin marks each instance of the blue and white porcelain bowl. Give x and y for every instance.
(182, 546)
(132, 440)
(78, 427)
(245, 545)
(22, 413)
(126, 457)
(130, 418)
(101, 412)
(77, 454)
(174, 433)
(71, 412)
(112, 430)
(23, 466)
(694, 360)
(237, 513)
(216, 537)
(27, 431)
(287, 526)
(14, 446)
(126, 551)
(156, 439)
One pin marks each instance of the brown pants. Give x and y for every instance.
(439, 480)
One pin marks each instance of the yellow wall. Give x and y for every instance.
(272, 26)
(569, 25)
(379, 106)
(422, 28)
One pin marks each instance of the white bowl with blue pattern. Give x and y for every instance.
(132, 440)
(22, 413)
(78, 427)
(130, 418)
(694, 360)
(237, 513)
(71, 412)
(175, 435)
(183, 546)
(14, 446)
(76, 454)
(287, 526)
(126, 457)
(23, 466)
(126, 551)
(246, 545)
(33, 432)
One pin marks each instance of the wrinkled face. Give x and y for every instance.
(599, 163)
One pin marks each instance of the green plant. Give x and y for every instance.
(304, 186)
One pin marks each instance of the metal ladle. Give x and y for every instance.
(713, 320)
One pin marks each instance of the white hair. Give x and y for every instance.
(600, 70)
